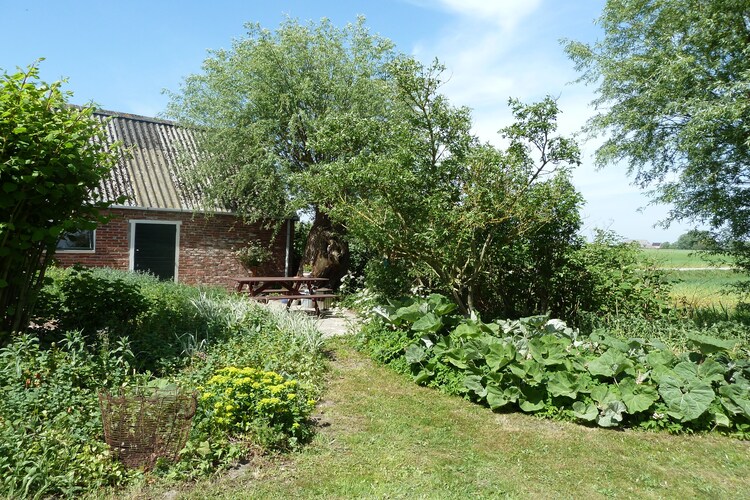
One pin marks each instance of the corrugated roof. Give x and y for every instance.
(149, 176)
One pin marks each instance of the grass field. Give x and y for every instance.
(705, 288)
(381, 436)
(673, 258)
(698, 281)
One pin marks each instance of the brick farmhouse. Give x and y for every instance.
(162, 228)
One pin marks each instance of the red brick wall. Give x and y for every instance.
(206, 245)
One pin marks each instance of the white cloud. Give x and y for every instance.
(504, 13)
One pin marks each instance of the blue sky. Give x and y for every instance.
(122, 54)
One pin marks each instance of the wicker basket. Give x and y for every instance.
(143, 427)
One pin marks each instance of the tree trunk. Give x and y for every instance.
(326, 250)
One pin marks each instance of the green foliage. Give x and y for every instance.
(554, 271)
(607, 277)
(52, 158)
(542, 366)
(466, 201)
(389, 278)
(50, 383)
(279, 103)
(694, 240)
(270, 409)
(254, 254)
(528, 275)
(97, 301)
(672, 79)
(51, 440)
(156, 316)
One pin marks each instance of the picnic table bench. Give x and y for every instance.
(289, 288)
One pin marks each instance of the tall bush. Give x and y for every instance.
(52, 158)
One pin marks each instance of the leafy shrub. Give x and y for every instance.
(160, 318)
(263, 404)
(613, 278)
(554, 271)
(90, 301)
(542, 366)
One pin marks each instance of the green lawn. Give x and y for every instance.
(381, 436)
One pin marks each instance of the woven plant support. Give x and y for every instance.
(145, 427)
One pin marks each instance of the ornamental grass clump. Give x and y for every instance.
(269, 409)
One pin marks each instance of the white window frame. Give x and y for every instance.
(75, 250)
(131, 241)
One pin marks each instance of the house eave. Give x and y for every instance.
(174, 210)
(187, 211)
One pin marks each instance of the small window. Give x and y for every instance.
(77, 241)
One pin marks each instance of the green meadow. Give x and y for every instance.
(698, 279)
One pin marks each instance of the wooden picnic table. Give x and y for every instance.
(289, 288)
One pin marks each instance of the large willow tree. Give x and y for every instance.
(278, 107)
(673, 101)
(438, 198)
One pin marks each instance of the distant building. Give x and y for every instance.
(643, 243)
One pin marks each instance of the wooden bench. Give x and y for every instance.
(314, 297)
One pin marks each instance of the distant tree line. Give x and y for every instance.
(693, 240)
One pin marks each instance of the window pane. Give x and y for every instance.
(77, 240)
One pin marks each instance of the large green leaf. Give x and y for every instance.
(686, 400)
(736, 399)
(532, 399)
(427, 323)
(499, 355)
(423, 376)
(660, 371)
(408, 314)
(440, 304)
(497, 397)
(584, 411)
(611, 414)
(474, 384)
(604, 394)
(687, 371)
(415, 353)
(456, 357)
(549, 350)
(443, 344)
(710, 345)
(661, 358)
(720, 417)
(528, 370)
(563, 384)
(610, 364)
(466, 330)
(711, 371)
(637, 397)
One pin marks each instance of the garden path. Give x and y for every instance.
(336, 322)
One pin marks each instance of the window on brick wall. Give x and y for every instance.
(77, 241)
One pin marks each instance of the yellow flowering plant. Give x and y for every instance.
(264, 405)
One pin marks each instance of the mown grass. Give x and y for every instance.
(381, 436)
